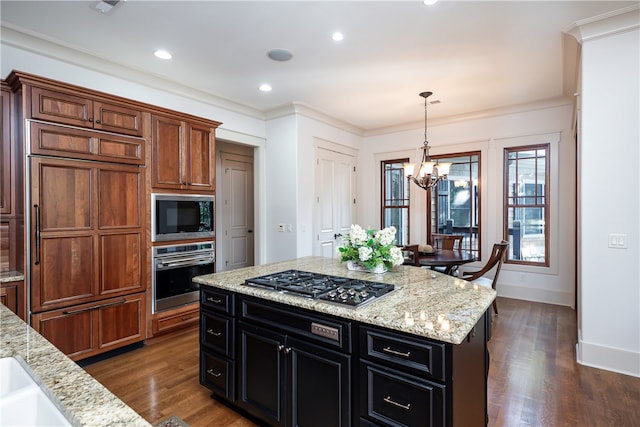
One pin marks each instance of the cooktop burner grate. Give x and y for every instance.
(342, 290)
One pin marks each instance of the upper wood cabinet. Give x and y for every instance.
(64, 141)
(183, 154)
(71, 109)
(5, 151)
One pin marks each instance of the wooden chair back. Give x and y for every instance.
(447, 242)
(495, 261)
(411, 255)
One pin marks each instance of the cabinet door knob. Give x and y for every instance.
(280, 347)
(212, 332)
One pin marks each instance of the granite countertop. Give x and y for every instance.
(82, 399)
(11, 276)
(441, 307)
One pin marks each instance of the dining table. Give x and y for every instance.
(449, 259)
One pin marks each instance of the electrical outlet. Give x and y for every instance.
(281, 228)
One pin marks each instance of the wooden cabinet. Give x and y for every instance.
(5, 151)
(89, 329)
(398, 374)
(86, 234)
(413, 381)
(63, 141)
(12, 295)
(217, 342)
(172, 320)
(60, 106)
(270, 362)
(280, 379)
(183, 154)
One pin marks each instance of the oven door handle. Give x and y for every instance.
(183, 263)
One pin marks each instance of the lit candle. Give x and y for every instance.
(429, 325)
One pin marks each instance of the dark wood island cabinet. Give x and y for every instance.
(414, 357)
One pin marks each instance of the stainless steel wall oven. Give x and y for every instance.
(173, 268)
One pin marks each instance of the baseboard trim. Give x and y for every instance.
(536, 295)
(608, 358)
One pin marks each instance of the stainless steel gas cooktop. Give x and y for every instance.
(341, 290)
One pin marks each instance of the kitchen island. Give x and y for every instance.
(78, 396)
(415, 356)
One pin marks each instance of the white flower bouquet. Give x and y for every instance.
(371, 248)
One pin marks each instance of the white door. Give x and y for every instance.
(335, 199)
(237, 211)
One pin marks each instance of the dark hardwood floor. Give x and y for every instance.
(533, 378)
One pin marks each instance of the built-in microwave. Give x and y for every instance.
(182, 216)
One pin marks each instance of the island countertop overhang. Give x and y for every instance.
(443, 308)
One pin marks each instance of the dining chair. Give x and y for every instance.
(494, 262)
(411, 255)
(447, 242)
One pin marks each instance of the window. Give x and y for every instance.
(527, 204)
(455, 205)
(395, 199)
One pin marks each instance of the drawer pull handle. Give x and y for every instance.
(399, 405)
(185, 318)
(96, 307)
(216, 301)
(213, 373)
(215, 334)
(397, 353)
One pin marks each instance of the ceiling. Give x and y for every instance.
(474, 55)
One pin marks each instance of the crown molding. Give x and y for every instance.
(477, 115)
(302, 109)
(606, 24)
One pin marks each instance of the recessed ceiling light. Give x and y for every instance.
(264, 87)
(280, 54)
(430, 2)
(337, 36)
(162, 54)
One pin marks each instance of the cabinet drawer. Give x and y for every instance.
(216, 299)
(168, 322)
(419, 355)
(217, 332)
(217, 374)
(391, 398)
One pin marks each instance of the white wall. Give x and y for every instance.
(554, 284)
(282, 170)
(609, 306)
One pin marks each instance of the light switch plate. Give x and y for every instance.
(618, 241)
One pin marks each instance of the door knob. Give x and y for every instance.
(335, 236)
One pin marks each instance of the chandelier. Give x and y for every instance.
(430, 172)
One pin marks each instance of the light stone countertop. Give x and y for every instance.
(82, 399)
(443, 308)
(11, 276)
